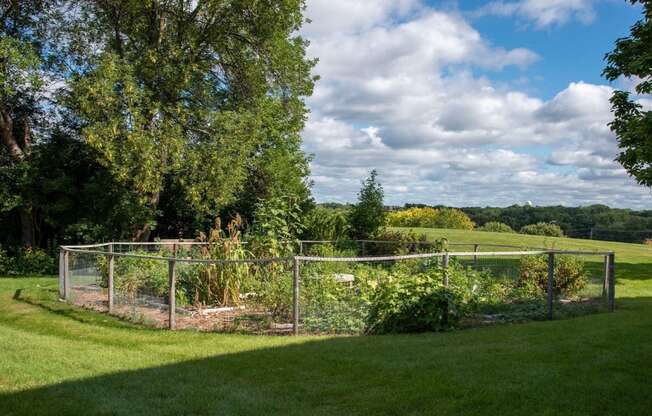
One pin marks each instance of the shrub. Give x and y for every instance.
(430, 218)
(570, 277)
(417, 303)
(496, 227)
(396, 242)
(543, 228)
(4, 262)
(31, 261)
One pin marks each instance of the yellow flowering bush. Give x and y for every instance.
(430, 218)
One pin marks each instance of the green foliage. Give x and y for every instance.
(569, 278)
(368, 215)
(496, 227)
(416, 303)
(430, 218)
(219, 284)
(542, 228)
(176, 94)
(325, 224)
(133, 275)
(632, 124)
(397, 242)
(30, 262)
(277, 225)
(19, 64)
(4, 262)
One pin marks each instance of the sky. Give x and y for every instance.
(467, 103)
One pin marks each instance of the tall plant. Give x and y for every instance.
(368, 215)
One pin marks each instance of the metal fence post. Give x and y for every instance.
(66, 275)
(172, 294)
(363, 248)
(295, 296)
(476, 248)
(62, 284)
(110, 276)
(612, 282)
(551, 279)
(300, 247)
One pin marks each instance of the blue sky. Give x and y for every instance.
(467, 102)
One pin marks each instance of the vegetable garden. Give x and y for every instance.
(264, 285)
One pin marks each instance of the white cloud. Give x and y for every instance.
(398, 93)
(543, 13)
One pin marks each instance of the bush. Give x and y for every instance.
(496, 227)
(430, 218)
(417, 303)
(570, 276)
(31, 261)
(543, 228)
(4, 262)
(396, 242)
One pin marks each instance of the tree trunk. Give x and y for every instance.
(143, 233)
(18, 151)
(28, 237)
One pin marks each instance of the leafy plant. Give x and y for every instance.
(394, 242)
(30, 261)
(326, 224)
(543, 228)
(569, 274)
(416, 304)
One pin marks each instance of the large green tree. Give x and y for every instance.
(190, 93)
(21, 106)
(632, 59)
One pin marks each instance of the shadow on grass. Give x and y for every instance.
(592, 365)
(45, 299)
(566, 367)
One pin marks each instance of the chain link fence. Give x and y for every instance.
(329, 287)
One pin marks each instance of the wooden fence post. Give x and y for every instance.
(476, 248)
(172, 302)
(551, 280)
(110, 277)
(295, 296)
(612, 282)
(445, 267)
(62, 283)
(66, 275)
(605, 281)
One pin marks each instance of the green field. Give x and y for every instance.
(57, 359)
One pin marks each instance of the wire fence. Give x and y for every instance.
(327, 287)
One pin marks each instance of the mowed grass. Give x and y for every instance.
(60, 360)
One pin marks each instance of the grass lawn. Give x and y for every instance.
(57, 359)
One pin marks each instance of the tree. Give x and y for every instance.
(632, 58)
(368, 215)
(187, 92)
(20, 84)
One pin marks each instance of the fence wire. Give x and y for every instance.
(326, 287)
